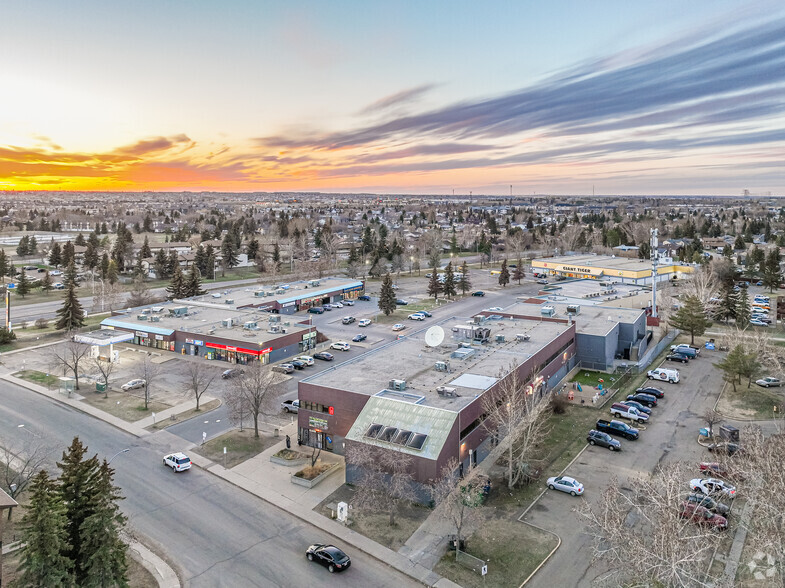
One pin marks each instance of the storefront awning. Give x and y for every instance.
(143, 327)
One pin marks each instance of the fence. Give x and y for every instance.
(469, 561)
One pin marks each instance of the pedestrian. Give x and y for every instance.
(288, 442)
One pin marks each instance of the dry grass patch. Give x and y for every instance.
(511, 549)
(313, 472)
(121, 404)
(40, 378)
(185, 415)
(240, 446)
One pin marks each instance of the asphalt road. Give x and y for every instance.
(670, 434)
(213, 532)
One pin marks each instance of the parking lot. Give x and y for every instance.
(670, 435)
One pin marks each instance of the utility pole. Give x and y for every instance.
(653, 244)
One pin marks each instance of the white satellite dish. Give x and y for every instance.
(434, 336)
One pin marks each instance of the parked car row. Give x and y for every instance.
(298, 363)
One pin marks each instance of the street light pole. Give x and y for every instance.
(126, 450)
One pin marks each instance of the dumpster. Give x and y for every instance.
(100, 387)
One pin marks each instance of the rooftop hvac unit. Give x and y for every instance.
(155, 319)
(227, 322)
(442, 366)
(573, 309)
(547, 311)
(141, 317)
(179, 310)
(500, 338)
(157, 308)
(521, 337)
(260, 293)
(229, 301)
(274, 329)
(274, 318)
(313, 282)
(398, 385)
(249, 325)
(211, 331)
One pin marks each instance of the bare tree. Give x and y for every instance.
(20, 464)
(199, 380)
(759, 345)
(638, 529)
(384, 483)
(255, 392)
(104, 369)
(458, 499)
(712, 417)
(69, 356)
(516, 415)
(703, 285)
(150, 372)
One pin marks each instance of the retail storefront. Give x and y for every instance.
(238, 355)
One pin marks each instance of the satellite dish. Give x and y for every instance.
(434, 336)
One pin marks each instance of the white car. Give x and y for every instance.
(364, 323)
(348, 302)
(306, 359)
(55, 273)
(398, 327)
(768, 382)
(133, 384)
(179, 462)
(340, 346)
(416, 316)
(495, 309)
(337, 305)
(710, 486)
(758, 323)
(566, 484)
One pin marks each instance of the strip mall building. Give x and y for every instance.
(606, 267)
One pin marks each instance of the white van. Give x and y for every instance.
(664, 375)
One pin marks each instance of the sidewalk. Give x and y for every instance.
(263, 479)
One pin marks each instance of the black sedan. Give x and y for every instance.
(323, 355)
(651, 391)
(401, 302)
(644, 399)
(677, 357)
(329, 556)
(478, 293)
(360, 337)
(603, 440)
(710, 503)
(298, 365)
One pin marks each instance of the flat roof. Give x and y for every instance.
(209, 320)
(247, 295)
(591, 292)
(410, 359)
(592, 320)
(103, 337)
(603, 262)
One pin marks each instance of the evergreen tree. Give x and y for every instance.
(161, 265)
(727, 308)
(449, 281)
(3, 265)
(70, 314)
(145, 251)
(45, 538)
(147, 224)
(228, 253)
(112, 272)
(46, 282)
(21, 248)
(80, 240)
(772, 277)
(68, 253)
(434, 285)
(252, 249)
(518, 273)
(504, 276)
(739, 244)
(23, 286)
(90, 256)
(353, 264)
(209, 263)
(387, 296)
(102, 554)
(55, 255)
(176, 288)
(691, 318)
(173, 262)
(69, 276)
(200, 259)
(104, 265)
(464, 283)
(743, 310)
(32, 245)
(193, 284)
(277, 255)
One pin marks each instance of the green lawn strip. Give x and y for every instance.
(512, 551)
(44, 379)
(119, 404)
(592, 378)
(240, 446)
(754, 403)
(184, 416)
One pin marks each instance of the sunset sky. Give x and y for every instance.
(665, 97)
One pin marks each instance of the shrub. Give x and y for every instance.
(559, 404)
(41, 323)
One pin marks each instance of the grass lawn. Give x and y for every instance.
(120, 404)
(591, 378)
(183, 416)
(240, 446)
(511, 549)
(402, 312)
(375, 525)
(37, 377)
(750, 403)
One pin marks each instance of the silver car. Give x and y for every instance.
(133, 384)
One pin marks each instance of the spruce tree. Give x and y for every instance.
(77, 489)
(193, 284)
(277, 255)
(32, 246)
(434, 285)
(23, 286)
(68, 253)
(353, 264)
(176, 288)
(449, 281)
(252, 249)
(518, 273)
(772, 277)
(70, 314)
(173, 262)
(55, 255)
(691, 317)
(464, 283)
(105, 265)
(45, 538)
(161, 265)
(112, 272)
(3, 265)
(200, 259)
(145, 251)
(102, 553)
(504, 276)
(80, 240)
(387, 296)
(90, 256)
(743, 310)
(228, 253)
(46, 282)
(69, 276)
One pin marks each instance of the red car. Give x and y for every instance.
(703, 516)
(714, 468)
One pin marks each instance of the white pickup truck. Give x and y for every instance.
(622, 411)
(290, 405)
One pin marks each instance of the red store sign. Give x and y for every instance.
(238, 349)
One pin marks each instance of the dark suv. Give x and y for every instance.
(644, 399)
(603, 440)
(651, 391)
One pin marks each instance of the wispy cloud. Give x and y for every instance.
(147, 146)
(402, 98)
